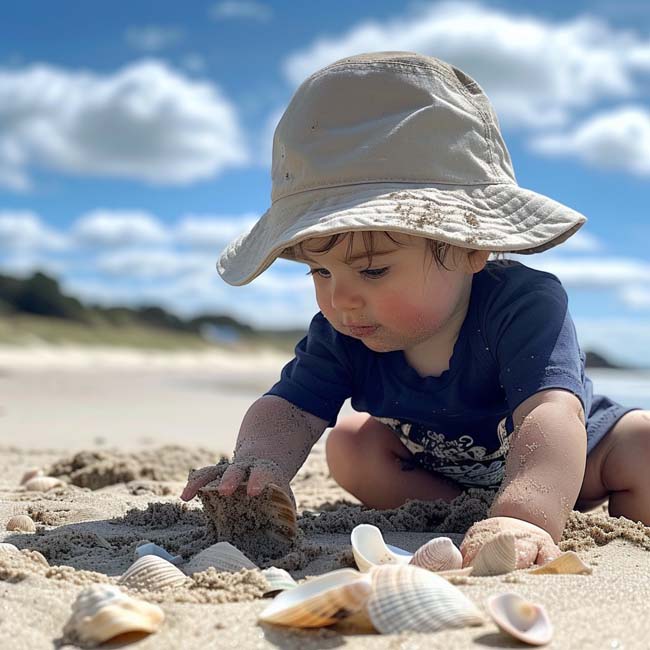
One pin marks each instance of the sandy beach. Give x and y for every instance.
(122, 430)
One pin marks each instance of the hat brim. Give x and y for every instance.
(495, 217)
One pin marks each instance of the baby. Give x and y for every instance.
(392, 182)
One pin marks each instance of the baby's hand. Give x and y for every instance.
(258, 473)
(532, 543)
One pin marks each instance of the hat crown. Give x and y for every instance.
(388, 117)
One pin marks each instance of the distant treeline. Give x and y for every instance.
(41, 295)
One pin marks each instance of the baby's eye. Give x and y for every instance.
(322, 273)
(375, 273)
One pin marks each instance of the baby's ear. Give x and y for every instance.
(477, 260)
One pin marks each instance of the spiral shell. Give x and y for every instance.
(222, 556)
(521, 619)
(151, 572)
(496, 556)
(42, 483)
(321, 601)
(411, 599)
(438, 554)
(103, 612)
(370, 549)
(22, 523)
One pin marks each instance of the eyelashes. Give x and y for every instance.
(368, 273)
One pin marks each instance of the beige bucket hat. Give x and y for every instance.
(394, 141)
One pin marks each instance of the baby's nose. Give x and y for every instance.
(344, 297)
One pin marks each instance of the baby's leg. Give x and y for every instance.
(366, 458)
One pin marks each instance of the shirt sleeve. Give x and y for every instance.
(534, 340)
(319, 378)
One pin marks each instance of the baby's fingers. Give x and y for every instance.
(547, 552)
(260, 477)
(203, 476)
(231, 479)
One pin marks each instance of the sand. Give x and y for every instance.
(116, 498)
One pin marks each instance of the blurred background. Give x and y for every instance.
(135, 142)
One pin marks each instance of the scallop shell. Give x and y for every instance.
(11, 549)
(151, 572)
(103, 612)
(409, 598)
(223, 556)
(6, 547)
(321, 601)
(497, 556)
(270, 521)
(42, 483)
(278, 579)
(149, 548)
(567, 563)
(369, 548)
(521, 619)
(23, 523)
(438, 554)
(31, 473)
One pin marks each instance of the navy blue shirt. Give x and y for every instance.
(516, 340)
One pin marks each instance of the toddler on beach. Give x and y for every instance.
(392, 182)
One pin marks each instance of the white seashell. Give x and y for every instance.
(32, 472)
(568, 563)
(43, 483)
(278, 579)
(497, 556)
(10, 549)
(412, 599)
(5, 547)
(23, 523)
(521, 619)
(103, 612)
(438, 554)
(223, 556)
(321, 601)
(151, 572)
(149, 548)
(369, 548)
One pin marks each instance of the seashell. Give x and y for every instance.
(223, 556)
(10, 549)
(369, 548)
(31, 473)
(23, 523)
(42, 483)
(497, 556)
(409, 598)
(149, 548)
(567, 563)
(438, 554)
(321, 601)
(269, 525)
(521, 619)
(103, 612)
(6, 547)
(278, 579)
(151, 572)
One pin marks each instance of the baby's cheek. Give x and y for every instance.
(408, 315)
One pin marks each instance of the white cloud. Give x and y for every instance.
(241, 9)
(536, 71)
(145, 122)
(636, 296)
(152, 37)
(622, 339)
(211, 232)
(23, 230)
(583, 242)
(617, 139)
(119, 228)
(152, 264)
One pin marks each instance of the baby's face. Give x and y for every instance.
(403, 300)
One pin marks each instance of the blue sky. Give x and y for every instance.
(135, 144)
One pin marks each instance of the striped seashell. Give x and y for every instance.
(6, 547)
(42, 483)
(407, 598)
(223, 556)
(23, 523)
(321, 601)
(151, 572)
(568, 563)
(438, 554)
(521, 619)
(369, 548)
(278, 579)
(31, 473)
(149, 548)
(103, 612)
(497, 556)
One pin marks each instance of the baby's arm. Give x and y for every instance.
(546, 462)
(274, 440)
